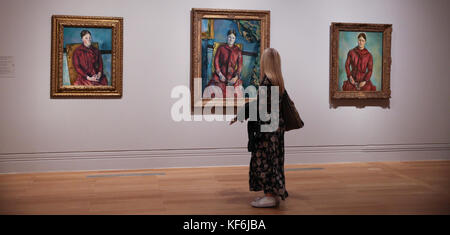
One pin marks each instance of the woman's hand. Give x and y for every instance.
(93, 78)
(233, 121)
(233, 80)
(362, 84)
(222, 78)
(352, 81)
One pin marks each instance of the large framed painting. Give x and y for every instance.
(226, 49)
(86, 56)
(360, 61)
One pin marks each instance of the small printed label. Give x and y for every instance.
(7, 69)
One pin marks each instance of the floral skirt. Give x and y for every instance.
(267, 164)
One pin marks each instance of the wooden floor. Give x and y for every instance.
(420, 187)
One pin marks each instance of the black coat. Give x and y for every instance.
(253, 126)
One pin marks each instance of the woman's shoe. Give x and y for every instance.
(257, 198)
(265, 202)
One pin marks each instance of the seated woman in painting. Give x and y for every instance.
(88, 63)
(359, 66)
(228, 66)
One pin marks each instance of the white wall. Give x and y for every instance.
(156, 58)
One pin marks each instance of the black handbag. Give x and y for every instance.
(290, 114)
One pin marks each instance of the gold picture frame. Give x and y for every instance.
(211, 34)
(340, 47)
(65, 81)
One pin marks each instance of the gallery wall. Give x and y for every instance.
(42, 134)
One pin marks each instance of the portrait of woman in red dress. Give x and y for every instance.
(87, 61)
(228, 66)
(359, 67)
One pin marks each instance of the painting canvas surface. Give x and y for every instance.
(374, 44)
(101, 38)
(248, 39)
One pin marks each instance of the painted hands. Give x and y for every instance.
(95, 77)
(222, 78)
(233, 81)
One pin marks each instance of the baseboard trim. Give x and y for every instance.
(205, 157)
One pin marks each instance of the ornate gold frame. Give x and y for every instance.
(385, 92)
(197, 14)
(57, 89)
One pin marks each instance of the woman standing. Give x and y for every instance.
(358, 67)
(267, 148)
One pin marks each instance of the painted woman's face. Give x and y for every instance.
(87, 40)
(361, 42)
(231, 39)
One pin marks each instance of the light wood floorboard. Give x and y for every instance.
(419, 187)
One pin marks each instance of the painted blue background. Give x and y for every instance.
(221, 27)
(102, 36)
(374, 44)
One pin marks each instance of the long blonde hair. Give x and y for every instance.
(271, 67)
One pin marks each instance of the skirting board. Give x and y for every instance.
(208, 157)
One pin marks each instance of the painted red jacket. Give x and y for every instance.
(359, 65)
(88, 62)
(227, 60)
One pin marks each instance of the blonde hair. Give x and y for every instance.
(271, 67)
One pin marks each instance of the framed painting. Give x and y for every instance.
(226, 49)
(360, 61)
(86, 59)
